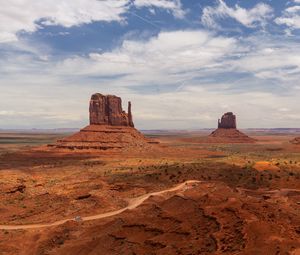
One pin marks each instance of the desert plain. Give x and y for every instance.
(184, 196)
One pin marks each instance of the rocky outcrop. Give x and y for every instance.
(110, 128)
(228, 120)
(296, 141)
(229, 135)
(107, 110)
(104, 137)
(227, 131)
(130, 120)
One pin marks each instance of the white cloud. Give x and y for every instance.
(258, 15)
(182, 79)
(162, 56)
(192, 64)
(271, 60)
(170, 59)
(172, 5)
(23, 15)
(7, 113)
(290, 17)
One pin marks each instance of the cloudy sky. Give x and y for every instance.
(182, 63)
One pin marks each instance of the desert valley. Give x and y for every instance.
(110, 189)
(149, 127)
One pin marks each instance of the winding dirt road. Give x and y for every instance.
(133, 203)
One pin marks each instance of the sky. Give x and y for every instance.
(182, 63)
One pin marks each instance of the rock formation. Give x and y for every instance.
(107, 110)
(110, 128)
(228, 120)
(227, 131)
(296, 141)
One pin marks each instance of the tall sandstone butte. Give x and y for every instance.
(227, 131)
(110, 128)
(107, 110)
(228, 120)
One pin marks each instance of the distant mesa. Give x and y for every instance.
(227, 131)
(110, 128)
(296, 141)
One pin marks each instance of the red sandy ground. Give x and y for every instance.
(235, 209)
(265, 165)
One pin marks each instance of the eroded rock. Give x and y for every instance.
(228, 120)
(107, 110)
(227, 131)
(18, 188)
(296, 141)
(110, 129)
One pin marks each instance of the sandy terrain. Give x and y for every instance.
(245, 198)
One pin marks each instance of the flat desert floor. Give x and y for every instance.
(189, 198)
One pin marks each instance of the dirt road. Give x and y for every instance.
(133, 203)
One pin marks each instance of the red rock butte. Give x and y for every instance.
(228, 120)
(227, 131)
(110, 128)
(107, 110)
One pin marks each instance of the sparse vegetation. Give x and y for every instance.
(59, 187)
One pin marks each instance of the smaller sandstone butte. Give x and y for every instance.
(227, 131)
(228, 120)
(107, 110)
(110, 128)
(296, 141)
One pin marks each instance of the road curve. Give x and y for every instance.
(133, 203)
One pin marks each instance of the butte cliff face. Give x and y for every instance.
(110, 128)
(227, 131)
(228, 120)
(107, 110)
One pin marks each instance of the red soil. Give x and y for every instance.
(209, 218)
(265, 165)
